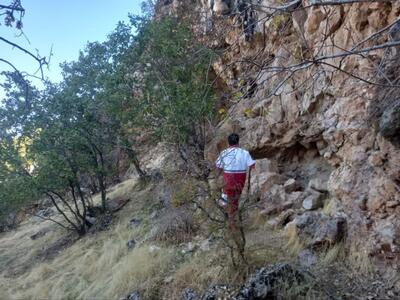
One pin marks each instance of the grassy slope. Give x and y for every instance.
(96, 266)
(100, 266)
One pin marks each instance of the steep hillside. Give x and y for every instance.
(312, 89)
(306, 93)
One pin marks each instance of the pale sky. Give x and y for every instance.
(63, 26)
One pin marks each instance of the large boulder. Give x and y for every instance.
(268, 282)
(189, 294)
(389, 124)
(388, 244)
(9, 222)
(313, 201)
(220, 7)
(291, 185)
(265, 176)
(132, 296)
(318, 184)
(307, 257)
(316, 228)
(220, 291)
(116, 204)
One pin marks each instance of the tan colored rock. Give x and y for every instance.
(328, 118)
(381, 189)
(318, 184)
(296, 199)
(392, 204)
(388, 232)
(264, 166)
(312, 202)
(315, 17)
(281, 220)
(318, 229)
(220, 7)
(291, 185)
(375, 159)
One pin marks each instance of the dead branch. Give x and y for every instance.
(10, 64)
(16, 6)
(54, 221)
(41, 60)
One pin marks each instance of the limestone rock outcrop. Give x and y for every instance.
(314, 123)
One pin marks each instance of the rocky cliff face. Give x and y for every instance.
(307, 110)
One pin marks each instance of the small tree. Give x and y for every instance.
(72, 127)
(172, 93)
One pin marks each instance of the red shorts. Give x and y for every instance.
(234, 183)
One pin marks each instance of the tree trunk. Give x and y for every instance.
(103, 192)
(133, 157)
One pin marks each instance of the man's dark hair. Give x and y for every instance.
(233, 139)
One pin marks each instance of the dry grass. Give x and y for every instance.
(294, 243)
(329, 206)
(266, 246)
(259, 221)
(124, 189)
(359, 260)
(305, 289)
(333, 254)
(184, 191)
(202, 271)
(96, 269)
(175, 226)
(98, 266)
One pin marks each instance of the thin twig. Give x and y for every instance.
(54, 221)
(41, 60)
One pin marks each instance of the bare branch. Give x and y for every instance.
(343, 2)
(309, 62)
(376, 34)
(10, 64)
(41, 60)
(62, 212)
(358, 77)
(16, 7)
(54, 221)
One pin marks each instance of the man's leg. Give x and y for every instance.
(234, 183)
(233, 207)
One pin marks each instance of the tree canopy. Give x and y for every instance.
(57, 142)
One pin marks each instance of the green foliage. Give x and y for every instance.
(173, 95)
(15, 191)
(69, 131)
(58, 141)
(279, 21)
(184, 193)
(15, 188)
(249, 113)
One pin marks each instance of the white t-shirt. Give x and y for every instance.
(234, 160)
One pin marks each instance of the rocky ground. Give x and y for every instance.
(154, 250)
(321, 218)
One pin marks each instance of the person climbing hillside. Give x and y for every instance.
(234, 162)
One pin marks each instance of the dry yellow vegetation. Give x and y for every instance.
(100, 265)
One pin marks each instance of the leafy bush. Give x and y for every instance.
(172, 92)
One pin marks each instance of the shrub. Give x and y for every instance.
(175, 226)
